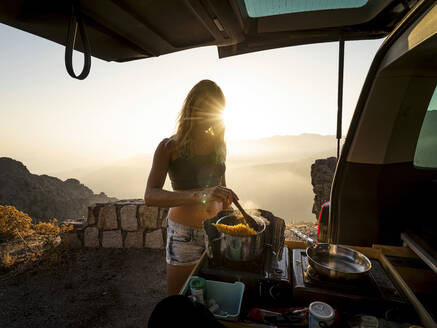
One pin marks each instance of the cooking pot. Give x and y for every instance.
(242, 248)
(336, 261)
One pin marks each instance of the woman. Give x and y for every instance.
(194, 159)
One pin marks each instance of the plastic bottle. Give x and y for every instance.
(198, 289)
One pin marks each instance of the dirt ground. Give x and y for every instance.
(104, 288)
(88, 288)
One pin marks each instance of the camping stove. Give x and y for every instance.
(374, 293)
(268, 275)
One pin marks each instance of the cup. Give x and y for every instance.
(321, 315)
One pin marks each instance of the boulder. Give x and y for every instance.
(128, 218)
(134, 239)
(322, 173)
(148, 216)
(108, 218)
(154, 239)
(91, 237)
(112, 239)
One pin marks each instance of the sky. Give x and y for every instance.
(52, 122)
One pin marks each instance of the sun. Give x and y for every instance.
(241, 123)
(243, 120)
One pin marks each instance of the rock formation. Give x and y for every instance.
(43, 196)
(322, 172)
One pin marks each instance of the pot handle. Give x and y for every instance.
(308, 240)
(311, 242)
(213, 245)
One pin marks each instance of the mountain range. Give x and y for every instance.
(44, 197)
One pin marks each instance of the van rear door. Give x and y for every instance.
(128, 29)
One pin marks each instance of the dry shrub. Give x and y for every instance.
(13, 223)
(53, 252)
(6, 260)
(51, 229)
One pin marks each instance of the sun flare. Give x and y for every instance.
(244, 120)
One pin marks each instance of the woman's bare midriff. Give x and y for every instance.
(194, 215)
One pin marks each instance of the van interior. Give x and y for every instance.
(384, 190)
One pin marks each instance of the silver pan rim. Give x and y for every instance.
(358, 254)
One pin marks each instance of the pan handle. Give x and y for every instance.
(309, 240)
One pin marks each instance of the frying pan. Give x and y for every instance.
(336, 261)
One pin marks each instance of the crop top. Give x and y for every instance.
(198, 171)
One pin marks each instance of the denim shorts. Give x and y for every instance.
(185, 244)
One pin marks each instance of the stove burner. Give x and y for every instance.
(268, 267)
(313, 278)
(375, 288)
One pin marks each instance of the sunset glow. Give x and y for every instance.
(240, 120)
(248, 116)
(125, 110)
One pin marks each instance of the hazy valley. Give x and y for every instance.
(271, 173)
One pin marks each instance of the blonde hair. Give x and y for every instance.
(213, 103)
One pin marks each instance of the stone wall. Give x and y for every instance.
(121, 224)
(322, 172)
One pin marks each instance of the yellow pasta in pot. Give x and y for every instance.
(240, 229)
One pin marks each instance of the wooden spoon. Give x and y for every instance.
(249, 220)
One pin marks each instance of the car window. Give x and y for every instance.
(256, 8)
(426, 149)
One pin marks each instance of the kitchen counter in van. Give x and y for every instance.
(411, 280)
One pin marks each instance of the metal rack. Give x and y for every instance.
(411, 243)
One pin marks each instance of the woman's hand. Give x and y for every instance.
(218, 193)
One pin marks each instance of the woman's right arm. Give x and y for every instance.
(155, 195)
